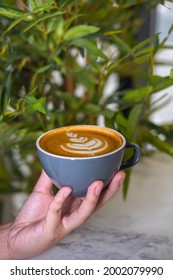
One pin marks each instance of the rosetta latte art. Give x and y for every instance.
(83, 145)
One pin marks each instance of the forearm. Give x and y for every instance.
(4, 232)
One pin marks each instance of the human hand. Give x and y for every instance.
(45, 219)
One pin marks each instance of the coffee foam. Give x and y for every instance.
(80, 141)
(84, 145)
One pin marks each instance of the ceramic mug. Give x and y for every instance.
(78, 155)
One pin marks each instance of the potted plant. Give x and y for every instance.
(67, 62)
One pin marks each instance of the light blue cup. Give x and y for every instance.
(80, 172)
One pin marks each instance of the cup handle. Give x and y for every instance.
(134, 158)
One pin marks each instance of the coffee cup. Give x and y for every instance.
(78, 155)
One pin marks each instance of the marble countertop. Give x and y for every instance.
(139, 228)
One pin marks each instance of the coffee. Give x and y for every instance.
(80, 141)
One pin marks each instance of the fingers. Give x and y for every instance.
(53, 218)
(94, 199)
(59, 199)
(111, 189)
(44, 183)
(86, 208)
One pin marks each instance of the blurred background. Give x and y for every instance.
(56, 71)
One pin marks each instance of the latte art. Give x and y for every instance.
(84, 145)
(80, 141)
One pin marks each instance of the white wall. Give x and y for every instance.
(164, 20)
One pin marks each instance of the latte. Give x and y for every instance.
(80, 141)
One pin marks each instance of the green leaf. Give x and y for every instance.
(155, 140)
(171, 74)
(133, 120)
(71, 100)
(59, 31)
(122, 45)
(36, 104)
(92, 108)
(53, 24)
(126, 183)
(11, 13)
(42, 18)
(68, 21)
(24, 17)
(80, 31)
(39, 71)
(43, 69)
(34, 4)
(85, 77)
(137, 95)
(159, 83)
(128, 64)
(14, 23)
(90, 47)
(107, 113)
(170, 30)
(122, 123)
(64, 3)
(144, 43)
(39, 3)
(109, 123)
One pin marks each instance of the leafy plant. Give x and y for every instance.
(57, 59)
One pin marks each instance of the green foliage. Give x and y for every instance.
(56, 59)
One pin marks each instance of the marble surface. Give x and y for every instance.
(139, 228)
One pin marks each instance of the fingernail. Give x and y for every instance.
(98, 188)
